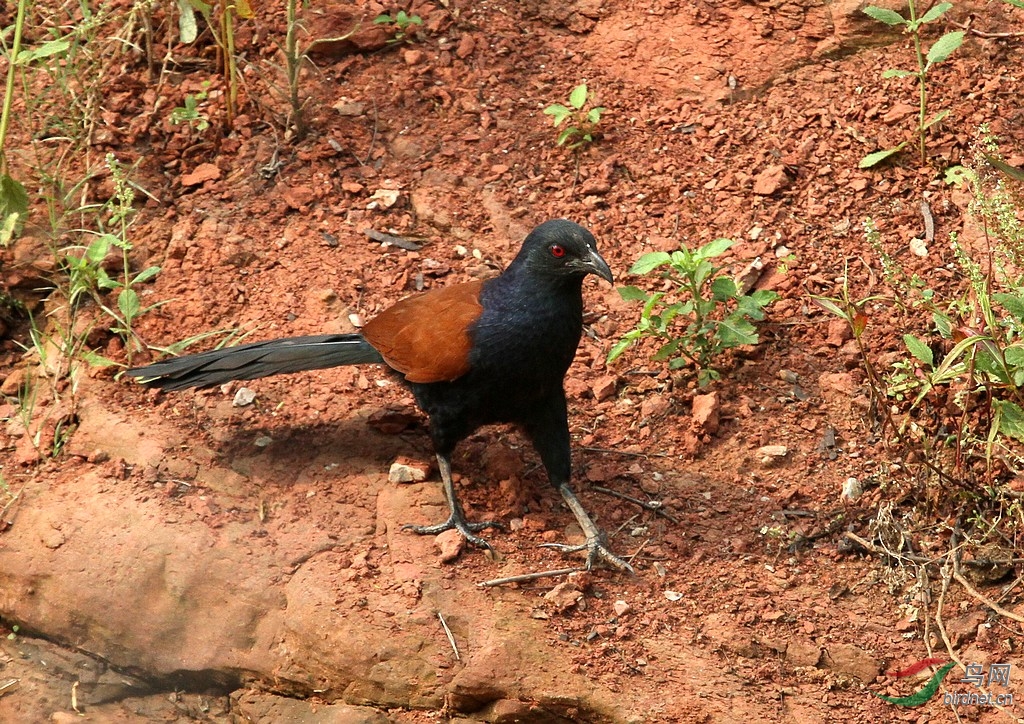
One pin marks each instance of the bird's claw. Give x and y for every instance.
(596, 550)
(464, 527)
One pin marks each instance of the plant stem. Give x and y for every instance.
(230, 68)
(293, 67)
(5, 115)
(921, 81)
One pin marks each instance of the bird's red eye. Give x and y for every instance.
(557, 251)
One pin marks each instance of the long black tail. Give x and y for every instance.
(259, 359)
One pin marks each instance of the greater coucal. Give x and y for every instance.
(472, 354)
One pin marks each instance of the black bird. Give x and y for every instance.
(472, 354)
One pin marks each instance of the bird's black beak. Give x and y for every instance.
(595, 264)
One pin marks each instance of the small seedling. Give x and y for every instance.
(582, 122)
(402, 24)
(940, 51)
(190, 113)
(705, 315)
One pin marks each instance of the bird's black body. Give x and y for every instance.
(519, 331)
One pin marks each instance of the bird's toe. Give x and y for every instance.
(596, 551)
(464, 527)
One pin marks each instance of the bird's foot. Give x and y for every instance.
(462, 525)
(596, 550)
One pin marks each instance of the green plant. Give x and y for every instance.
(705, 314)
(582, 121)
(937, 53)
(87, 274)
(295, 56)
(14, 200)
(402, 24)
(190, 113)
(221, 18)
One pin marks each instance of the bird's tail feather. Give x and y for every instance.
(258, 359)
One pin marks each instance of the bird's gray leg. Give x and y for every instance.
(457, 516)
(595, 547)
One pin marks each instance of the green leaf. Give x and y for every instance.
(873, 159)
(618, 348)
(896, 73)
(98, 249)
(958, 176)
(145, 275)
(921, 351)
(188, 28)
(723, 288)
(1014, 356)
(667, 350)
(1013, 172)
(752, 305)
(944, 46)
(558, 112)
(95, 359)
(831, 306)
(935, 13)
(633, 294)
(763, 297)
(649, 262)
(944, 324)
(1012, 303)
(734, 330)
(567, 134)
(578, 97)
(7, 229)
(1015, 3)
(883, 15)
(13, 197)
(51, 47)
(715, 248)
(1009, 419)
(594, 116)
(128, 303)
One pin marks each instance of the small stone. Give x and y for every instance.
(839, 333)
(413, 57)
(771, 454)
(243, 397)
(705, 412)
(201, 174)
(604, 388)
(14, 382)
(789, 376)
(802, 651)
(852, 489)
(564, 596)
(263, 441)
(346, 107)
(621, 608)
(853, 661)
(451, 544)
(771, 180)
(98, 456)
(466, 46)
(673, 595)
(407, 471)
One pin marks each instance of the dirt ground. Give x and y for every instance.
(186, 559)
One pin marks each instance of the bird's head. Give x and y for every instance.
(562, 249)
